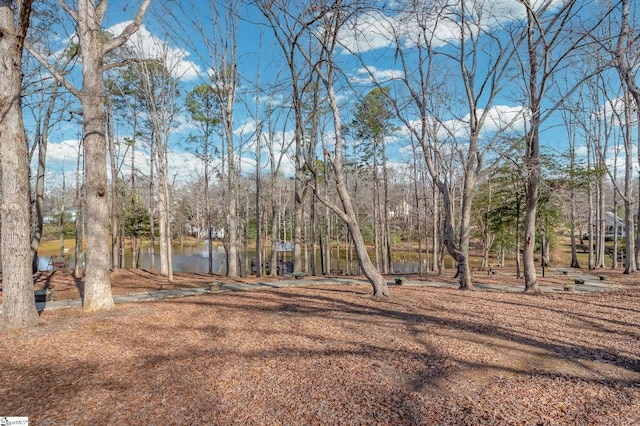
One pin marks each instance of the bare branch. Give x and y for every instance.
(128, 61)
(129, 30)
(63, 4)
(55, 72)
(101, 9)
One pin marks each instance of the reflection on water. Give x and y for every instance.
(194, 258)
(189, 259)
(186, 258)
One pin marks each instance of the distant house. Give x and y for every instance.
(198, 232)
(613, 224)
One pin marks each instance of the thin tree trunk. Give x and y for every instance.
(274, 238)
(115, 210)
(376, 213)
(590, 203)
(232, 197)
(624, 45)
(134, 238)
(572, 192)
(385, 204)
(435, 235)
(42, 136)
(152, 204)
(78, 270)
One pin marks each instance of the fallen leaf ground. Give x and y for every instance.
(329, 354)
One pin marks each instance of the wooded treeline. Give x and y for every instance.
(351, 122)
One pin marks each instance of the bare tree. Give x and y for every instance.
(373, 123)
(328, 40)
(201, 103)
(215, 26)
(18, 303)
(625, 60)
(44, 98)
(291, 22)
(277, 146)
(424, 77)
(94, 47)
(160, 91)
(43, 110)
(553, 34)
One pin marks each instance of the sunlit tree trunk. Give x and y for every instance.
(93, 49)
(346, 211)
(17, 283)
(97, 290)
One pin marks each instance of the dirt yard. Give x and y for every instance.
(330, 354)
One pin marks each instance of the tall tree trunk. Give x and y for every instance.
(436, 264)
(134, 234)
(93, 48)
(18, 303)
(274, 238)
(153, 205)
(629, 259)
(601, 212)
(258, 210)
(531, 203)
(78, 270)
(376, 212)
(385, 214)
(532, 155)
(163, 211)
(459, 250)
(347, 212)
(592, 213)
(42, 138)
(313, 225)
(97, 289)
(572, 192)
(207, 213)
(326, 265)
(115, 209)
(624, 48)
(299, 192)
(232, 209)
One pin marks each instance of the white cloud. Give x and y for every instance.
(245, 129)
(367, 32)
(148, 46)
(438, 21)
(613, 110)
(62, 154)
(368, 74)
(614, 158)
(184, 165)
(503, 117)
(500, 118)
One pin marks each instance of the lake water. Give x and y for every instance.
(190, 258)
(186, 258)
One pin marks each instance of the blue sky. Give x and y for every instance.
(188, 60)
